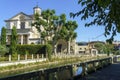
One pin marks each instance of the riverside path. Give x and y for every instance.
(111, 72)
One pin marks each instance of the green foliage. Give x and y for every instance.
(13, 44)
(31, 49)
(101, 12)
(104, 48)
(49, 51)
(117, 52)
(100, 47)
(3, 50)
(35, 49)
(71, 26)
(109, 48)
(3, 36)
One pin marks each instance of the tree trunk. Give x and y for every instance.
(55, 49)
(10, 58)
(68, 47)
(18, 57)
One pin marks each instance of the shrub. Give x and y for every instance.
(49, 51)
(3, 50)
(31, 49)
(35, 49)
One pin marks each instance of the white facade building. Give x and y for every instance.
(26, 33)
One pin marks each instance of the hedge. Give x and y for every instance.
(34, 49)
(48, 48)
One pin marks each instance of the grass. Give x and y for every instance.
(23, 68)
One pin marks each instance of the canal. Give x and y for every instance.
(66, 72)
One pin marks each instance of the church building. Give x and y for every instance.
(27, 34)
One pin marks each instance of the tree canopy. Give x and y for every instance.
(13, 44)
(102, 12)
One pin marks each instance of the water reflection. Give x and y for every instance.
(77, 70)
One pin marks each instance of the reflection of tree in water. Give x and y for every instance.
(60, 75)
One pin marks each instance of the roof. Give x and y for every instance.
(36, 7)
(96, 42)
(30, 16)
(82, 43)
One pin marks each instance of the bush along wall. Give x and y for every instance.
(49, 49)
(35, 49)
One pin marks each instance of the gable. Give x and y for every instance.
(21, 16)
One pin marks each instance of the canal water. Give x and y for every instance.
(60, 73)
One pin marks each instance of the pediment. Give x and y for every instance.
(21, 16)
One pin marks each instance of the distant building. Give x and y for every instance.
(87, 47)
(116, 45)
(26, 33)
(82, 47)
(92, 48)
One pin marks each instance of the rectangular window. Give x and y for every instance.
(15, 23)
(22, 25)
(8, 25)
(30, 23)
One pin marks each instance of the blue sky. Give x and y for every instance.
(10, 8)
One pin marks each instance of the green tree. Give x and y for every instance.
(59, 22)
(3, 36)
(55, 27)
(50, 17)
(71, 26)
(45, 21)
(13, 44)
(109, 48)
(38, 23)
(102, 12)
(100, 47)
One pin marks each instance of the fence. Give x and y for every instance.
(66, 72)
(18, 57)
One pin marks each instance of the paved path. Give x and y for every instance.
(111, 72)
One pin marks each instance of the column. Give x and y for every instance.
(21, 39)
(27, 39)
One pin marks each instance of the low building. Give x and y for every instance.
(82, 47)
(92, 48)
(87, 47)
(116, 45)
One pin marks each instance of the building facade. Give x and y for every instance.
(87, 47)
(26, 33)
(82, 48)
